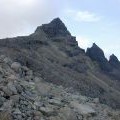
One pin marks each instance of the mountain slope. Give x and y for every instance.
(53, 54)
(24, 96)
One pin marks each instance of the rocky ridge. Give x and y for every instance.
(52, 53)
(110, 67)
(97, 54)
(24, 96)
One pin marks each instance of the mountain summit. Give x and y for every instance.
(114, 61)
(55, 28)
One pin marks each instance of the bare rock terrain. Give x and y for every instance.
(47, 76)
(24, 96)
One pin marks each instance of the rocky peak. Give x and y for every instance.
(94, 45)
(97, 54)
(113, 58)
(56, 28)
(114, 61)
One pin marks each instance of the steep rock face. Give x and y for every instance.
(55, 28)
(57, 32)
(114, 61)
(96, 54)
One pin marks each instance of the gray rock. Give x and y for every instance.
(1, 101)
(11, 87)
(47, 111)
(67, 114)
(11, 78)
(96, 100)
(16, 66)
(7, 61)
(19, 88)
(56, 102)
(7, 91)
(83, 109)
(37, 115)
(17, 111)
(8, 105)
(29, 96)
(15, 98)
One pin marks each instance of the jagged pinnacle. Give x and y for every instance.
(55, 28)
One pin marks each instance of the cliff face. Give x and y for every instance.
(96, 54)
(54, 29)
(114, 61)
(111, 67)
(53, 54)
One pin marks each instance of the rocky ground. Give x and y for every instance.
(24, 96)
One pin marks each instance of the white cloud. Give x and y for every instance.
(83, 42)
(83, 16)
(111, 49)
(21, 17)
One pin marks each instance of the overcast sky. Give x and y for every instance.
(89, 20)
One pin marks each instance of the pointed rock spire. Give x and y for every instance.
(55, 28)
(97, 54)
(114, 61)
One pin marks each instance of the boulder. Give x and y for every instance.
(17, 111)
(16, 66)
(37, 115)
(96, 100)
(7, 61)
(15, 98)
(56, 102)
(2, 57)
(47, 111)
(11, 78)
(19, 88)
(11, 87)
(8, 105)
(67, 114)
(43, 88)
(7, 91)
(83, 109)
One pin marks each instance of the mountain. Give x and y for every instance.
(54, 55)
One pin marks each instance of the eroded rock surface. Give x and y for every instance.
(31, 98)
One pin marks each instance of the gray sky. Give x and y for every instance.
(90, 20)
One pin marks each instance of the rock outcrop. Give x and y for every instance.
(114, 61)
(55, 28)
(96, 54)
